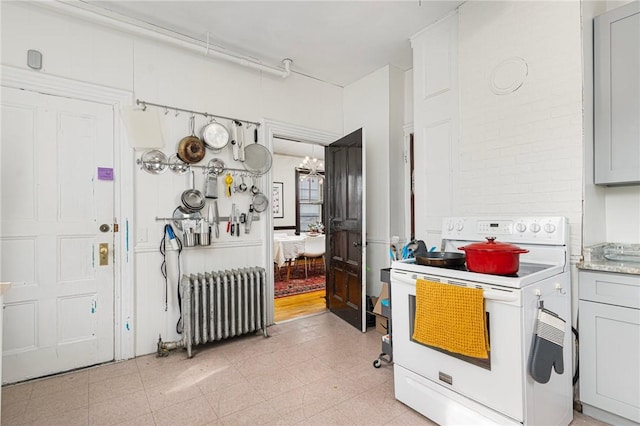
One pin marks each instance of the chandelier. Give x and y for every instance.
(314, 166)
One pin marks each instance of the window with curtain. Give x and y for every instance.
(309, 199)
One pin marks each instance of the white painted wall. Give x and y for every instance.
(622, 211)
(396, 218)
(88, 52)
(610, 214)
(521, 153)
(368, 103)
(408, 97)
(284, 170)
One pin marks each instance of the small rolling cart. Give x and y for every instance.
(387, 348)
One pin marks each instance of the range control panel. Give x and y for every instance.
(530, 229)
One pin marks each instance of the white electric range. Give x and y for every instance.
(453, 389)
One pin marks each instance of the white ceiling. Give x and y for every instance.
(334, 41)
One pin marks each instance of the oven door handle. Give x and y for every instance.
(502, 296)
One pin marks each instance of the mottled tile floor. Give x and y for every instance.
(316, 371)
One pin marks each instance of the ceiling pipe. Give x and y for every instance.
(120, 22)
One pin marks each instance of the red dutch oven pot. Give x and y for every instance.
(493, 257)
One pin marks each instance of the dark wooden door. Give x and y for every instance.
(344, 213)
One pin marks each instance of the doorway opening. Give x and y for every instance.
(298, 238)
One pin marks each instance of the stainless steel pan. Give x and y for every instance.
(190, 148)
(192, 199)
(215, 136)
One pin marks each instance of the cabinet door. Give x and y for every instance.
(609, 353)
(617, 95)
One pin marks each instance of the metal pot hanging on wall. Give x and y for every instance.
(191, 148)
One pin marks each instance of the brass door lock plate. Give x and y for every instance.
(104, 254)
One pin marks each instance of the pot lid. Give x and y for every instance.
(154, 162)
(494, 246)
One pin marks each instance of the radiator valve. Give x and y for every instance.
(165, 347)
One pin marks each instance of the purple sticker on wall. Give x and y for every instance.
(105, 173)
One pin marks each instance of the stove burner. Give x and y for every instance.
(525, 269)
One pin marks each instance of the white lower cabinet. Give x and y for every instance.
(609, 323)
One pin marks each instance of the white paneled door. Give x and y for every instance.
(57, 190)
(436, 121)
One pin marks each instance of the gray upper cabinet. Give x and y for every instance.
(617, 95)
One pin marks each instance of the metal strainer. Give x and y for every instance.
(260, 202)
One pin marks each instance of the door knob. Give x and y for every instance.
(104, 254)
(104, 228)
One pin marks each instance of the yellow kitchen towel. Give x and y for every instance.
(452, 318)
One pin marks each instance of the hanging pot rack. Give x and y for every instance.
(206, 169)
(145, 104)
(209, 169)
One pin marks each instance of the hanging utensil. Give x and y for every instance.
(216, 218)
(257, 159)
(210, 217)
(228, 180)
(260, 202)
(243, 186)
(190, 148)
(231, 227)
(240, 141)
(215, 167)
(234, 141)
(192, 199)
(204, 234)
(254, 189)
(215, 136)
(211, 185)
(154, 162)
(247, 225)
(177, 166)
(180, 214)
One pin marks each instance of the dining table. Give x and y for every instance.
(286, 250)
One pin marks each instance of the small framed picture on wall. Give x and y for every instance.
(278, 200)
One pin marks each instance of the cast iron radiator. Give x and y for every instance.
(220, 305)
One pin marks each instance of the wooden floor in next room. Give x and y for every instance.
(286, 308)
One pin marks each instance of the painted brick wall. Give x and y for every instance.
(521, 153)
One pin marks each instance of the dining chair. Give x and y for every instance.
(314, 248)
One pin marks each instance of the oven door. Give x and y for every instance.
(497, 382)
